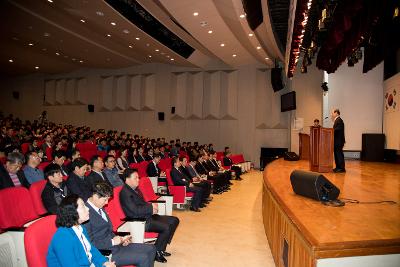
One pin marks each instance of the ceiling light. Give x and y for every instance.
(82, 20)
(234, 55)
(37, 67)
(156, 50)
(258, 47)
(137, 38)
(50, 1)
(10, 60)
(57, 53)
(80, 61)
(250, 34)
(172, 59)
(267, 58)
(113, 23)
(130, 46)
(195, 14)
(125, 31)
(149, 55)
(108, 35)
(99, 13)
(30, 44)
(46, 34)
(73, 59)
(242, 16)
(222, 45)
(210, 31)
(147, 44)
(203, 23)
(44, 49)
(168, 56)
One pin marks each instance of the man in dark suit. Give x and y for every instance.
(134, 206)
(55, 189)
(11, 174)
(99, 228)
(152, 168)
(338, 141)
(76, 182)
(228, 162)
(181, 179)
(96, 174)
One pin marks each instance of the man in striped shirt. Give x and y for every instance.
(11, 174)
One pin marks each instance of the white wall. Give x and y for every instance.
(359, 98)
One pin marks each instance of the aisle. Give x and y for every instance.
(229, 232)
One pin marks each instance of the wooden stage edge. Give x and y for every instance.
(301, 231)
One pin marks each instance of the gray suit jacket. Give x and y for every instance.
(100, 231)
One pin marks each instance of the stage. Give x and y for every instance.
(303, 232)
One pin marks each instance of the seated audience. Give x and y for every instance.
(74, 155)
(96, 174)
(152, 168)
(59, 159)
(11, 174)
(76, 182)
(32, 173)
(111, 171)
(55, 189)
(228, 162)
(122, 161)
(197, 179)
(99, 228)
(70, 245)
(134, 206)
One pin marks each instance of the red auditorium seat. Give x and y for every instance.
(25, 148)
(49, 154)
(102, 154)
(178, 191)
(165, 201)
(43, 165)
(37, 240)
(87, 150)
(142, 169)
(35, 191)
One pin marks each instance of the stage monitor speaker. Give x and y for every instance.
(15, 94)
(373, 147)
(313, 185)
(276, 79)
(172, 110)
(90, 108)
(160, 116)
(390, 155)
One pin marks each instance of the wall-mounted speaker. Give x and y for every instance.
(15, 95)
(160, 116)
(172, 110)
(90, 108)
(276, 79)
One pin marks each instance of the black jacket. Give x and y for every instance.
(133, 203)
(5, 179)
(338, 129)
(79, 186)
(52, 196)
(152, 170)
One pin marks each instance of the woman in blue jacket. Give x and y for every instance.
(70, 245)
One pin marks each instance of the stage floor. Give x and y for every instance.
(355, 229)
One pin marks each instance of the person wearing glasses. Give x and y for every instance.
(112, 172)
(11, 174)
(70, 245)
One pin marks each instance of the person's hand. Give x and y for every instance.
(117, 240)
(155, 208)
(126, 240)
(109, 264)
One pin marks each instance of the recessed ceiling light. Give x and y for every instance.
(99, 13)
(147, 44)
(82, 20)
(125, 31)
(130, 46)
(203, 23)
(167, 56)
(258, 47)
(57, 53)
(234, 55)
(137, 38)
(30, 44)
(149, 55)
(210, 31)
(37, 67)
(50, 1)
(195, 14)
(172, 59)
(250, 34)
(10, 60)
(113, 23)
(267, 58)
(80, 61)
(156, 50)
(242, 16)
(73, 59)
(46, 34)
(222, 45)
(108, 35)
(44, 49)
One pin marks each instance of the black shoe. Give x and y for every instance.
(339, 170)
(239, 179)
(160, 257)
(202, 205)
(334, 170)
(195, 209)
(166, 254)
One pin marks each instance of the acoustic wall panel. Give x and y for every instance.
(106, 95)
(134, 90)
(194, 107)
(148, 92)
(69, 92)
(50, 92)
(263, 102)
(229, 87)
(60, 89)
(81, 92)
(212, 90)
(120, 93)
(178, 94)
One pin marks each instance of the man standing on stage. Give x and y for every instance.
(339, 140)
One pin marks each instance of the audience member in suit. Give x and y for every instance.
(140, 157)
(220, 183)
(74, 155)
(96, 174)
(134, 206)
(76, 182)
(196, 178)
(152, 168)
(59, 158)
(55, 189)
(181, 179)
(338, 141)
(100, 231)
(32, 173)
(70, 245)
(122, 161)
(228, 162)
(111, 171)
(11, 174)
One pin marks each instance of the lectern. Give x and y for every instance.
(321, 149)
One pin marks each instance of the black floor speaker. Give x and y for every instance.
(313, 185)
(373, 147)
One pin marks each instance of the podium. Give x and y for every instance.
(304, 146)
(321, 149)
